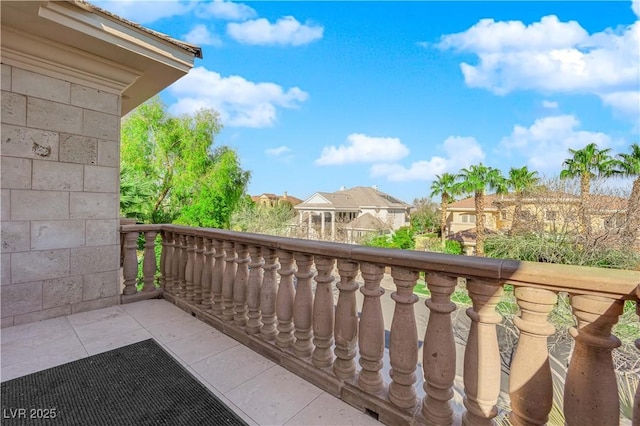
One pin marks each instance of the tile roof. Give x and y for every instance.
(358, 197)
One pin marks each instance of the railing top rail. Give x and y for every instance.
(620, 284)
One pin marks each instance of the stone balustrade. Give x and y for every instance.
(276, 295)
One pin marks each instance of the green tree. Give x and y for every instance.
(271, 220)
(628, 165)
(445, 186)
(520, 181)
(475, 180)
(587, 163)
(190, 182)
(425, 217)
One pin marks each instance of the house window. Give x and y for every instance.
(526, 216)
(468, 218)
(551, 215)
(614, 222)
(503, 215)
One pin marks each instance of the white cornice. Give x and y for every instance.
(36, 54)
(116, 33)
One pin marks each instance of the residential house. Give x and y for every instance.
(271, 200)
(70, 71)
(350, 214)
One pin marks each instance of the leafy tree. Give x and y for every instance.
(475, 180)
(271, 220)
(445, 186)
(190, 182)
(520, 181)
(628, 165)
(586, 164)
(425, 217)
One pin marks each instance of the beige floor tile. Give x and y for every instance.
(116, 341)
(34, 329)
(43, 357)
(197, 347)
(329, 410)
(40, 346)
(178, 328)
(232, 367)
(274, 397)
(99, 315)
(154, 311)
(111, 326)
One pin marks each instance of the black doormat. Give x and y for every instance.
(139, 384)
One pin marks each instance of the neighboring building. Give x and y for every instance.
(271, 200)
(70, 70)
(350, 214)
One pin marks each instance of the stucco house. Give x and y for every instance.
(270, 200)
(356, 211)
(70, 71)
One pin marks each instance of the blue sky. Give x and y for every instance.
(319, 95)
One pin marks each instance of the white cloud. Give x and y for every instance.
(635, 7)
(241, 103)
(145, 12)
(277, 152)
(227, 10)
(627, 102)
(550, 56)
(363, 149)
(460, 152)
(201, 36)
(549, 104)
(547, 141)
(285, 31)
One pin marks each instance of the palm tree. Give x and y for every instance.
(628, 165)
(475, 180)
(520, 181)
(444, 185)
(587, 163)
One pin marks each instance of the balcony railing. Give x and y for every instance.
(259, 289)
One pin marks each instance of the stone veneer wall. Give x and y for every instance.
(60, 197)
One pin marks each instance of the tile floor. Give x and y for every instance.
(260, 391)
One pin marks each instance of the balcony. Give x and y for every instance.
(319, 310)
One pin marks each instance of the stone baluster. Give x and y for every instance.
(228, 279)
(403, 340)
(130, 263)
(346, 317)
(591, 391)
(207, 272)
(636, 404)
(149, 265)
(240, 285)
(188, 273)
(303, 307)
(371, 335)
(217, 278)
(182, 266)
(163, 260)
(439, 351)
(198, 266)
(482, 361)
(530, 384)
(323, 313)
(168, 262)
(284, 300)
(268, 295)
(253, 290)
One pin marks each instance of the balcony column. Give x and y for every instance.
(207, 272)
(322, 225)
(439, 351)
(254, 289)
(180, 264)
(346, 328)
(228, 279)
(309, 227)
(323, 313)
(188, 273)
(284, 300)
(198, 266)
(403, 340)
(482, 361)
(217, 278)
(240, 286)
(163, 260)
(168, 262)
(333, 226)
(591, 391)
(268, 295)
(371, 336)
(130, 264)
(303, 307)
(149, 265)
(530, 384)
